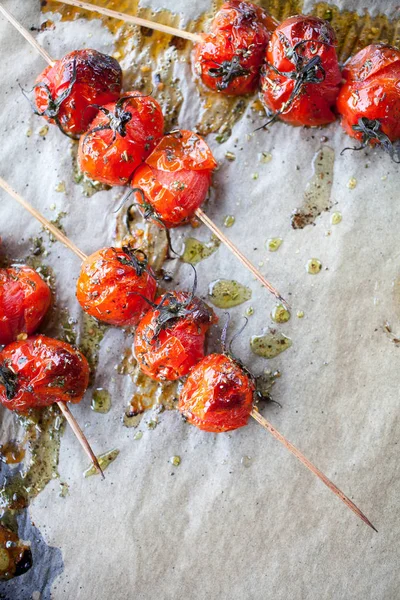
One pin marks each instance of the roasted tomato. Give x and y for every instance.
(229, 58)
(169, 339)
(218, 394)
(174, 181)
(120, 138)
(301, 78)
(369, 100)
(24, 300)
(112, 284)
(40, 371)
(66, 91)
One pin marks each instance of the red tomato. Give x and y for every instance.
(120, 138)
(111, 284)
(229, 58)
(40, 371)
(175, 180)
(218, 394)
(169, 339)
(65, 91)
(369, 99)
(301, 78)
(24, 300)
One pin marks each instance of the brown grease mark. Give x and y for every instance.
(12, 452)
(149, 394)
(317, 195)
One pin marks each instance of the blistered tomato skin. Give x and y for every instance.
(40, 371)
(111, 283)
(24, 301)
(167, 347)
(229, 57)
(218, 395)
(175, 179)
(301, 53)
(120, 138)
(65, 91)
(371, 91)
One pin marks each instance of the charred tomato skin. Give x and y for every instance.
(109, 285)
(24, 301)
(314, 105)
(371, 90)
(218, 395)
(176, 177)
(98, 81)
(111, 155)
(229, 57)
(171, 353)
(45, 371)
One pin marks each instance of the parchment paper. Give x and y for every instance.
(212, 527)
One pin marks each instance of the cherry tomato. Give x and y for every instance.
(169, 339)
(24, 300)
(40, 371)
(218, 394)
(120, 138)
(65, 91)
(301, 78)
(175, 178)
(369, 100)
(229, 58)
(111, 285)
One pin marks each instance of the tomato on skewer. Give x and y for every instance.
(229, 58)
(301, 78)
(66, 92)
(24, 301)
(218, 395)
(112, 284)
(169, 339)
(120, 138)
(369, 99)
(40, 371)
(175, 179)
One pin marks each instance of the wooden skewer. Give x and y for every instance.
(26, 35)
(200, 214)
(187, 35)
(49, 226)
(62, 238)
(278, 436)
(80, 435)
(245, 261)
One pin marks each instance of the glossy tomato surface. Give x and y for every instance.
(218, 395)
(371, 90)
(301, 78)
(111, 283)
(229, 57)
(167, 345)
(120, 138)
(24, 300)
(40, 371)
(65, 91)
(176, 177)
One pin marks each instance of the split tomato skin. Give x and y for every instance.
(98, 80)
(314, 105)
(120, 138)
(111, 283)
(229, 58)
(168, 353)
(24, 301)
(371, 91)
(176, 177)
(40, 371)
(218, 395)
